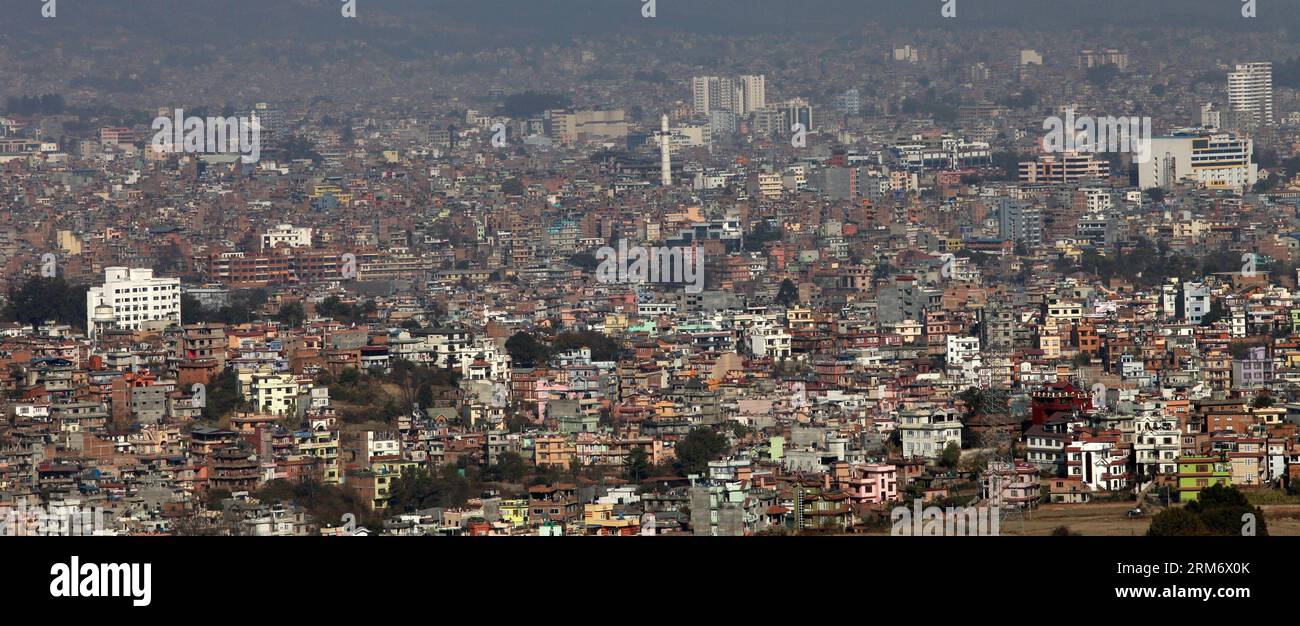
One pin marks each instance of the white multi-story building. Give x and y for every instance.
(485, 359)
(709, 93)
(926, 432)
(769, 340)
(274, 393)
(133, 299)
(287, 234)
(753, 93)
(741, 95)
(1250, 93)
(1156, 442)
(1214, 160)
(963, 357)
(1098, 462)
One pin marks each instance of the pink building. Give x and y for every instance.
(874, 483)
(1012, 485)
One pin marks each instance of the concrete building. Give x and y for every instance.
(133, 299)
(1213, 160)
(1250, 94)
(926, 432)
(286, 235)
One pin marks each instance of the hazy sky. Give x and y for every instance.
(533, 20)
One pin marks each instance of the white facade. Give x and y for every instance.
(1219, 161)
(753, 94)
(1098, 464)
(275, 394)
(287, 234)
(925, 433)
(139, 301)
(1250, 93)
(770, 341)
(1156, 442)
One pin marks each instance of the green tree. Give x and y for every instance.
(602, 347)
(214, 498)
(788, 294)
(1219, 510)
(636, 467)
(1176, 522)
(700, 446)
(526, 351)
(291, 315)
(1222, 508)
(422, 488)
(224, 397)
(40, 299)
(510, 467)
(326, 503)
(951, 455)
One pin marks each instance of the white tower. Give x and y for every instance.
(665, 152)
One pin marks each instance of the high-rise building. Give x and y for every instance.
(133, 299)
(1020, 221)
(753, 90)
(273, 128)
(709, 93)
(722, 123)
(849, 102)
(1095, 58)
(1250, 93)
(665, 153)
(742, 95)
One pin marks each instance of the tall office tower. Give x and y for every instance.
(1250, 93)
(273, 127)
(665, 152)
(712, 93)
(753, 93)
(700, 94)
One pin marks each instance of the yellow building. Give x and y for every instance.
(600, 519)
(384, 473)
(515, 512)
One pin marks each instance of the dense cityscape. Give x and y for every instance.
(892, 279)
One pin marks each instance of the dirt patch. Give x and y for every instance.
(1097, 518)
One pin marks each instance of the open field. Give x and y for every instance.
(1108, 518)
(1100, 518)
